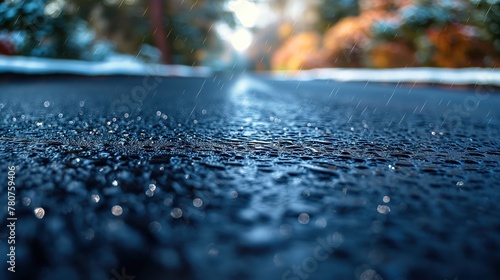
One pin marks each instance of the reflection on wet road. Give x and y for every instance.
(248, 177)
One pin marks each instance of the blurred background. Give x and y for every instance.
(257, 34)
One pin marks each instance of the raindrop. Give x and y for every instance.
(39, 123)
(304, 218)
(176, 213)
(321, 223)
(114, 183)
(39, 212)
(117, 210)
(26, 201)
(386, 199)
(95, 198)
(46, 104)
(154, 226)
(168, 201)
(197, 202)
(383, 209)
(234, 194)
(150, 193)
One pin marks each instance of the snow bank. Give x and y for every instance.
(480, 76)
(118, 65)
(127, 65)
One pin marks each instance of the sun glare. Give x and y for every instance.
(241, 39)
(246, 12)
(250, 15)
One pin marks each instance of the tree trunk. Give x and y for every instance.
(157, 8)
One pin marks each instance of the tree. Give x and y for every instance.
(44, 29)
(178, 28)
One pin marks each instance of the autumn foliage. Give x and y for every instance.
(458, 46)
(297, 52)
(392, 34)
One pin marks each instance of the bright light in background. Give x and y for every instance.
(250, 15)
(246, 12)
(241, 39)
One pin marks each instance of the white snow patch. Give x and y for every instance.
(115, 65)
(128, 65)
(484, 76)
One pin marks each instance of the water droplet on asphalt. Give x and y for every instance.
(117, 210)
(197, 202)
(321, 223)
(154, 226)
(234, 194)
(304, 218)
(39, 212)
(176, 213)
(26, 201)
(383, 209)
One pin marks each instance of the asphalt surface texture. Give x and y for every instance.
(248, 177)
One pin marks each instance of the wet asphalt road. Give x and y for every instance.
(248, 177)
